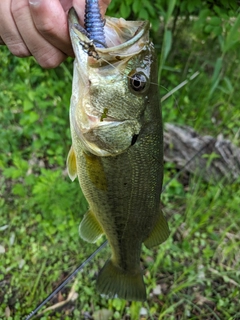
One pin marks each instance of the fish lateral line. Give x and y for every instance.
(90, 258)
(66, 281)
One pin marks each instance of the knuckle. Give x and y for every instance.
(50, 61)
(18, 8)
(46, 27)
(19, 50)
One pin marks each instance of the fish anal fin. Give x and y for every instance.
(114, 282)
(72, 164)
(159, 233)
(90, 229)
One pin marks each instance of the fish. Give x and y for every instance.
(117, 148)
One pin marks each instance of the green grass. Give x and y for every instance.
(195, 273)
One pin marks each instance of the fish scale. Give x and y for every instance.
(117, 149)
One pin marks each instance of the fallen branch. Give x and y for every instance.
(217, 158)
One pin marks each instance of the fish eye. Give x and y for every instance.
(138, 81)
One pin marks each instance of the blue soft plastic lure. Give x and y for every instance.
(94, 24)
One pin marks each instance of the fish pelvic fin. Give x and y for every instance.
(90, 229)
(114, 282)
(72, 164)
(159, 233)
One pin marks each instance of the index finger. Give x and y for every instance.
(1, 41)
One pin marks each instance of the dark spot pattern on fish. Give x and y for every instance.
(119, 156)
(134, 139)
(94, 24)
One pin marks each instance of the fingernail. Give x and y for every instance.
(34, 2)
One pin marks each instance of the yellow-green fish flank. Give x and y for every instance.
(117, 148)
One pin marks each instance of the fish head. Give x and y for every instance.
(112, 85)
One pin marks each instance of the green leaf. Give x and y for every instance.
(167, 43)
(228, 84)
(149, 8)
(191, 6)
(233, 36)
(171, 6)
(27, 105)
(136, 6)
(215, 21)
(143, 14)
(208, 28)
(19, 190)
(125, 10)
(217, 31)
(216, 75)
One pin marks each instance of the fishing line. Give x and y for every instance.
(170, 92)
(66, 281)
(186, 164)
(179, 86)
(90, 258)
(79, 268)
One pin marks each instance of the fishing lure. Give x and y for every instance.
(94, 24)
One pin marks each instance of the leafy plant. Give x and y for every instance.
(193, 275)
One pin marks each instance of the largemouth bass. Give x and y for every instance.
(117, 148)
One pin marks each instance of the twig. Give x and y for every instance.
(71, 297)
(66, 281)
(179, 86)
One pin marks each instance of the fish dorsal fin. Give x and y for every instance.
(90, 229)
(160, 232)
(72, 164)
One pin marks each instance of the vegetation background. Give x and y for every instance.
(196, 273)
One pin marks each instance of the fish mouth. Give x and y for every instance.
(93, 120)
(123, 38)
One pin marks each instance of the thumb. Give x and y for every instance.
(50, 20)
(104, 5)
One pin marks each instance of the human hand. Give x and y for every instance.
(40, 28)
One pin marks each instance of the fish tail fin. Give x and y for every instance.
(114, 282)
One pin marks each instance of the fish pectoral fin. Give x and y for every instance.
(114, 282)
(72, 164)
(159, 233)
(90, 229)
